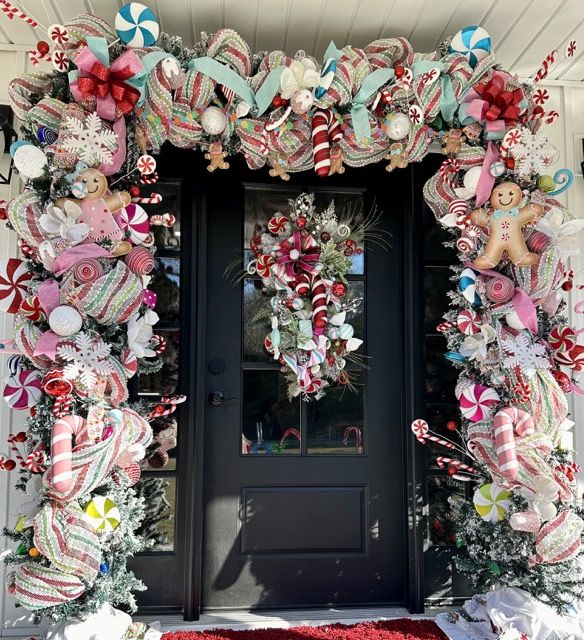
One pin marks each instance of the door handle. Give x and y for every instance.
(217, 398)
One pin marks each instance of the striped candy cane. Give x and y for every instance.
(358, 436)
(448, 170)
(302, 284)
(545, 66)
(507, 423)
(457, 464)
(319, 311)
(62, 406)
(165, 220)
(325, 129)
(150, 178)
(14, 12)
(61, 450)
(154, 198)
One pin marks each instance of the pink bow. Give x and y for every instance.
(298, 253)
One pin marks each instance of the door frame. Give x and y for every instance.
(191, 439)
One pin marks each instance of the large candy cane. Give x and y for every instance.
(507, 423)
(319, 312)
(61, 450)
(325, 129)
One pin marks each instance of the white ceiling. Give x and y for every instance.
(523, 31)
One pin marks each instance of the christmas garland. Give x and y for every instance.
(84, 318)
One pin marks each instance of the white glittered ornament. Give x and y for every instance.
(301, 101)
(30, 161)
(65, 320)
(514, 322)
(397, 125)
(470, 181)
(213, 121)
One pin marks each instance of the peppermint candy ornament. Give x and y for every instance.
(491, 502)
(499, 289)
(60, 61)
(474, 43)
(420, 428)
(14, 282)
(468, 322)
(477, 402)
(133, 220)
(277, 224)
(102, 514)
(32, 309)
(23, 389)
(562, 338)
(58, 34)
(146, 164)
(467, 286)
(264, 265)
(137, 25)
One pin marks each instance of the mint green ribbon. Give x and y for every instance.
(359, 112)
(448, 102)
(224, 75)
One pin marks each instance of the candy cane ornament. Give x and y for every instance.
(165, 220)
(319, 311)
(14, 12)
(442, 462)
(61, 476)
(150, 178)
(325, 130)
(154, 198)
(545, 66)
(506, 424)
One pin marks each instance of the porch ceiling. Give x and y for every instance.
(523, 31)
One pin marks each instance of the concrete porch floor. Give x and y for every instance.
(283, 619)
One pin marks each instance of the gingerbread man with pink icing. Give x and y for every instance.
(505, 220)
(98, 207)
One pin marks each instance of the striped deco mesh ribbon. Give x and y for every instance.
(37, 587)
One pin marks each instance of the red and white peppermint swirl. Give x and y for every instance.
(277, 224)
(60, 61)
(468, 322)
(562, 338)
(420, 428)
(58, 34)
(146, 164)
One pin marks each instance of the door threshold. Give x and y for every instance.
(286, 618)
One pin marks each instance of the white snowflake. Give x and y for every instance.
(90, 139)
(533, 153)
(525, 354)
(87, 358)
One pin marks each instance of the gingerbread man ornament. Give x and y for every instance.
(217, 157)
(505, 222)
(98, 205)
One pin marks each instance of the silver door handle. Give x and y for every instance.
(217, 398)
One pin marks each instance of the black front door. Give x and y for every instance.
(303, 503)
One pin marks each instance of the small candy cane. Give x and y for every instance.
(160, 411)
(35, 461)
(445, 326)
(158, 344)
(550, 117)
(13, 440)
(456, 464)
(276, 123)
(165, 220)
(35, 56)
(150, 178)
(62, 406)
(432, 438)
(545, 66)
(154, 198)
(448, 171)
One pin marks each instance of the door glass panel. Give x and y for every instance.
(165, 238)
(271, 422)
(442, 491)
(436, 285)
(335, 423)
(166, 284)
(159, 506)
(165, 381)
(255, 321)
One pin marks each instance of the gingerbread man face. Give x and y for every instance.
(506, 196)
(95, 182)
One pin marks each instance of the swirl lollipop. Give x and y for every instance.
(134, 221)
(136, 25)
(23, 390)
(14, 280)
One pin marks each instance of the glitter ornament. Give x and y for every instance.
(213, 121)
(65, 320)
(396, 125)
(30, 161)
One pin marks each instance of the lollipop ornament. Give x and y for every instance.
(136, 25)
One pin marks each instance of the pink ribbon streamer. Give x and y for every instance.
(47, 345)
(48, 294)
(486, 181)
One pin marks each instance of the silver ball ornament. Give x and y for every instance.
(397, 126)
(301, 101)
(213, 121)
(65, 320)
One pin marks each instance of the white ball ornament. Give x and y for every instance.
(213, 121)
(65, 320)
(30, 161)
(397, 126)
(301, 101)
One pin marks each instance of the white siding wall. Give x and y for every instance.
(566, 135)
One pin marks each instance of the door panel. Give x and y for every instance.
(314, 516)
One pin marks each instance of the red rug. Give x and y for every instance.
(385, 630)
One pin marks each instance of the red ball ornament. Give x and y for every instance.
(55, 385)
(21, 437)
(510, 162)
(33, 411)
(43, 47)
(9, 465)
(399, 70)
(348, 251)
(339, 289)
(563, 379)
(3, 212)
(159, 409)
(452, 425)
(278, 101)
(568, 285)
(301, 222)
(135, 191)
(331, 361)
(451, 471)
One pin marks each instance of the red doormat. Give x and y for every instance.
(386, 630)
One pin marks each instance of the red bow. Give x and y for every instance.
(502, 104)
(298, 253)
(103, 81)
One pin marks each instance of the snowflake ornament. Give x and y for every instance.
(89, 139)
(525, 354)
(533, 153)
(87, 359)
